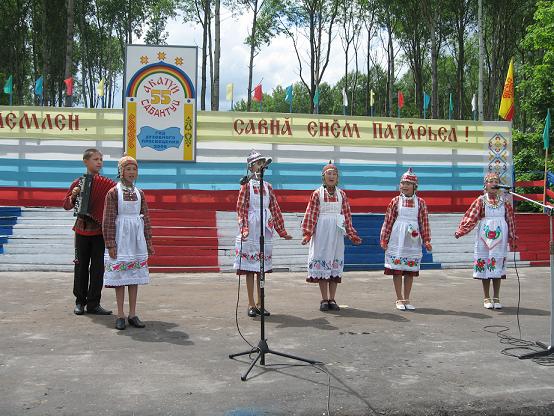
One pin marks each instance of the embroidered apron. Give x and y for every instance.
(404, 248)
(248, 259)
(131, 265)
(491, 243)
(326, 255)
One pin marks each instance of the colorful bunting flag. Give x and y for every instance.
(230, 92)
(258, 94)
(506, 110)
(39, 86)
(400, 100)
(8, 86)
(288, 94)
(100, 88)
(68, 86)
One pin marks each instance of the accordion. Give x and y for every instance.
(90, 201)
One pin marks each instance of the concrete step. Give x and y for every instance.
(27, 258)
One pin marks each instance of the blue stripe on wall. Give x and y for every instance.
(369, 255)
(225, 176)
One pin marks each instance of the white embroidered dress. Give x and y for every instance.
(491, 242)
(326, 255)
(404, 248)
(247, 252)
(131, 265)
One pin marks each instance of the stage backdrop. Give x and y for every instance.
(193, 203)
(160, 102)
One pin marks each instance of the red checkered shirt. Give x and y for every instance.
(84, 225)
(476, 211)
(312, 214)
(392, 214)
(110, 215)
(243, 203)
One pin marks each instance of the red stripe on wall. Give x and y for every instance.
(289, 200)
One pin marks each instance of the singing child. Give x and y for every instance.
(247, 243)
(494, 216)
(405, 227)
(327, 220)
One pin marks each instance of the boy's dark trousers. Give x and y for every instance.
(88, 282)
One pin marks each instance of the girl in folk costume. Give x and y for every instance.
(247, 243)
(328, 218)
(128, 237)
(495, 219)
(405, 227)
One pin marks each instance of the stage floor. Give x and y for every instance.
(437, 360)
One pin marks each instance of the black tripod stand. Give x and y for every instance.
(546, 349)
(262, 349)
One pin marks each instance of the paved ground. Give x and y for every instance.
(438, 360)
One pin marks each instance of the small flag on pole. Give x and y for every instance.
(546, 131)
(506, 110)
(8, 86)
(316, 100)
(288, 97)
(258, 95)
(371, 102)
(68, 86)
(39, 85)
(474, 106)
(344, 100)
(400, 101)
(230, 91)
(426, 102)
(450, 107)
(100, 88)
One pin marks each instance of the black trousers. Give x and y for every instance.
(89, 270)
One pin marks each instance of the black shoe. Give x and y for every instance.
(136, 322)
(79, 309)
(252, 311)
(324, 305)
(98, 310)
(333, 305)
(259, 312)
(120, 323)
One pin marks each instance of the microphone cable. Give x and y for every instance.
(517, 343)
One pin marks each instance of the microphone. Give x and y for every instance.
(501, 187)
(245, 179)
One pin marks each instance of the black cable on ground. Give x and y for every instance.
(517, 344)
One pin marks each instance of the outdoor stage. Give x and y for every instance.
(437, 360)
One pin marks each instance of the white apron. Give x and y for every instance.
(131, 265)
(491, 243)
(247, 252)
(326, 256)
(404, 248)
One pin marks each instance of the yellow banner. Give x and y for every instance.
(107, 124)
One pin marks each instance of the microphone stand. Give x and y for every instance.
(262, 349)
(546, 349)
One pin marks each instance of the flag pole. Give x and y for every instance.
(545, 175)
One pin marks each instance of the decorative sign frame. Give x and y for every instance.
(160, 102)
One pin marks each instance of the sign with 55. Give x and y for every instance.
(160, 102)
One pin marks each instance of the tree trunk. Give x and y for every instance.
(45, 54)
(206, 10)
(252, 53)
(217, 57)
(69, 47)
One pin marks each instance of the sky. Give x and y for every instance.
(276, 64)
